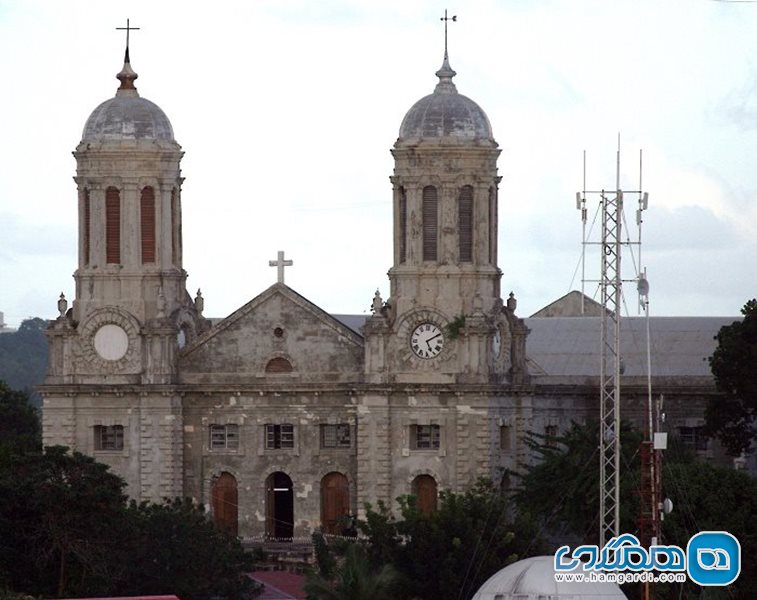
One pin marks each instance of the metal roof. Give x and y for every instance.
(570, 346)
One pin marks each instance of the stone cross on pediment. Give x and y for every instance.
(280, 263)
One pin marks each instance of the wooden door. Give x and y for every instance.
(335, 502)
(225, 502)
(424, 487)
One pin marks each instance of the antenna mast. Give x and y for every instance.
(610, 283)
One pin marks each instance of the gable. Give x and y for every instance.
(279, 337)
(570, 306)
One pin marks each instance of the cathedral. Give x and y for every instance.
(283, 418)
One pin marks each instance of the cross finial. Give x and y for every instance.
(128, 28)
(280, 263)
(445, 18)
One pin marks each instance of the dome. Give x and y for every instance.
(446, 113)
(127, 115)
(533, 579)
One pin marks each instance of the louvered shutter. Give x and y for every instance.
(147, 222)
(86, 227)
(465, 223)
(403, 225)
(112, 226)
(430, 223)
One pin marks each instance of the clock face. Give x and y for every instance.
(427, 340)
(111, 342)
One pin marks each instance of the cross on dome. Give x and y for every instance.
(127, 75)
(280, 263)
(446, 73)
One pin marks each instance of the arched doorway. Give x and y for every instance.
(279, 506)
(424, 487)
(225, 502)
(335, 502)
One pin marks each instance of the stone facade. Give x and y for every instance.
(283, 418)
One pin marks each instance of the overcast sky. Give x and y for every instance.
(287, 110)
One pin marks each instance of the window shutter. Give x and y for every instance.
(403, 225)
(86, 227)
(112, 226)
(430, 223)
(492, 225)
(147, 222)
(465, 223)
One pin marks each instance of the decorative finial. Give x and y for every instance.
(62, 305)
(199, 302)
(378, 303)
(127, 75)
(512, 303)
(446, 73)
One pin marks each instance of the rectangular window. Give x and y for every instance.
(505, 437)
(692, 437)
(335, 436)
(279, 436)
(550, 433)
(109, 437)
(224, 437)
(424, 437)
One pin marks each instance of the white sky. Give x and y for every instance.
(287, 110)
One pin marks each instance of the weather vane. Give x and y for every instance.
(445, 18)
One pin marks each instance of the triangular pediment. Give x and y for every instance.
(277, 336)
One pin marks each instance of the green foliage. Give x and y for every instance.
(323, 557)
(451, 552)
(562, 488)
(455, 327)
(19, 422)
(355, 579)
(733, 416)
(23, 357)
(709, 498)
(67, 516)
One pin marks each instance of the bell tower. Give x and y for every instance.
(444, 321)
(109, 390)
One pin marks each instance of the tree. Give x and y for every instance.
(449, 553)
(562, 488)
(19, 421)
(354, 579)
(67, 516)
(23, 357)
(733, 416)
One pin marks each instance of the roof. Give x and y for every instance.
(569, 346)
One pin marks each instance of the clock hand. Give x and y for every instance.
(433, 337)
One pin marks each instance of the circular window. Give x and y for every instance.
(278, 332)
(111, 342)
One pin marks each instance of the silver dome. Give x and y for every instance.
(445, 113)
(127, 117)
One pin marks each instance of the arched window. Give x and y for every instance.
(465, 223)
(147, 222)
(424, 487)
(430, 223)
(112, 226)
(403, 225)
(86, 227)
(278, 365)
